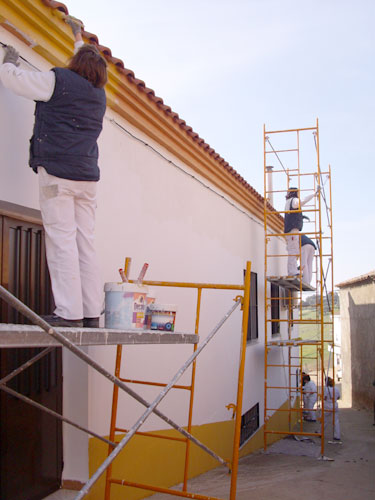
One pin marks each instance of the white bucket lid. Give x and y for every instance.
(163, 307)
(125, 287)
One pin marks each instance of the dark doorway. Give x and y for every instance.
(30, 440)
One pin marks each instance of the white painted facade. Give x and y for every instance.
(158, 212)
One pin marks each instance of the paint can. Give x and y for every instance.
(149, 300)
(125, 305)
(163, 317)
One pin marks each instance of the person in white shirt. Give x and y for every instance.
(331, 395)
(293, 223)
(70, 106)
(309, 398)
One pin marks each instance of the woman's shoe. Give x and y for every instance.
(55, 320)
(91, 322)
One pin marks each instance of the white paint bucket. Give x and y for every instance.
(125, 305)
(163, 317)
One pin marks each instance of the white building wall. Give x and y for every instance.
(155, 212)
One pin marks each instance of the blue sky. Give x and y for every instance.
(228, 67)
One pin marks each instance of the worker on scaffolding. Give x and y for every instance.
(309, 398)
(293, 223)
(70, 107)
(331, 395)
(308, 248)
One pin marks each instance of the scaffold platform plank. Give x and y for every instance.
(290, 282)
(292, 342)
(34, 336)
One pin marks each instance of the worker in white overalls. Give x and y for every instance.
(308, 248)
(309, 398)
(293, 223)
(331, 395)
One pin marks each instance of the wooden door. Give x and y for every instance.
(30, 440)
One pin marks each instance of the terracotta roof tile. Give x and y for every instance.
(369, 277)
(158, 101)
(56, 5)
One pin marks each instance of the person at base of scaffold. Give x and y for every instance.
(70, 107)
(293, 223)
(309, 398)
(308, 248)
(331, 395)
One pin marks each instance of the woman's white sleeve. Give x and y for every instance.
(34, 85)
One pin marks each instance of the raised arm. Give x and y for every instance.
(34, 85)
(77, 27)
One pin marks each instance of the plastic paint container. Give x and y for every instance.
(125, 305)
(163, 317)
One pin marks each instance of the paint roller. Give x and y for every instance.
(142, 274)
(123, 277)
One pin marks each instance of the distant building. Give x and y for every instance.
(357, 308)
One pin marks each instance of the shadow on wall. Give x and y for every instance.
(362, 341)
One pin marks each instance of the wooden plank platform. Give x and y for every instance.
(290, 283)
(34, 336)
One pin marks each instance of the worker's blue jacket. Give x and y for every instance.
(67, 127)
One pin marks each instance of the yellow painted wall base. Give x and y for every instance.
(160, 462)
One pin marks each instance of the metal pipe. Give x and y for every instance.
(163, 490)
(107, 491)
(316, 434)
(152, 434)
(241, 372)
(289, 130)
(191, 401)
(266, 305)
(177, 284)
(157, 384)
(26, 365)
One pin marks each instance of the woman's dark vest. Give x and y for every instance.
(293, 220)
(67, 127)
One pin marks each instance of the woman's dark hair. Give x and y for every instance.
(292, 193)
(90, 64)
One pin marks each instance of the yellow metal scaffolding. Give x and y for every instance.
(45, 335)
(116, 431)
(304, 329)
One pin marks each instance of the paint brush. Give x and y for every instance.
(122, 274)
(142, 274)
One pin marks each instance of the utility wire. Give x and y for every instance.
(133, 136)
(4, 45)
